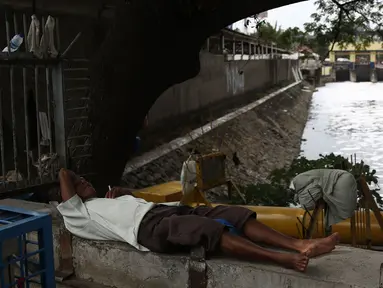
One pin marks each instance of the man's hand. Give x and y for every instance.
(67, 174)
(67, 188)
(116, 192)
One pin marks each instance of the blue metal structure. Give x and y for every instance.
(15, 224)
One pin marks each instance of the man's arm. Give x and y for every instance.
(66, 178)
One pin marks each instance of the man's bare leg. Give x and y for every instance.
(258, 232)
(240, 247)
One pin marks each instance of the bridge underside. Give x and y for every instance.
(152, 45)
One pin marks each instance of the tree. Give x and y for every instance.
(289, 39)
(292, 38)
(346, 22)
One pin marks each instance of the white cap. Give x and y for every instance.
(15, 43)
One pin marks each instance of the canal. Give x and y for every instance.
(347, 118)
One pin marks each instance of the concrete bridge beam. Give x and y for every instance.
(132, 69)
(88, 8)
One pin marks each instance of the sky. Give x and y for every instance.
(292, 15)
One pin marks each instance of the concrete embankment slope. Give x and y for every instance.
(265, 134)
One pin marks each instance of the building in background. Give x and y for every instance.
(248, 25)
(370, 55)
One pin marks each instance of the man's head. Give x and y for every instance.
(84, 189)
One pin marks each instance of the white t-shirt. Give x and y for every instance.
(106, 219)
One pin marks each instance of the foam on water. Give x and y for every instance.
(347, 118)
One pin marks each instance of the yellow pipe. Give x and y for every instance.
(282, 219)
(285, 220)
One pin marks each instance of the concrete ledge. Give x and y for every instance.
(119, 265)
(346, 267)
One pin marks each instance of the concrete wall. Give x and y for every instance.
(379, 74)
(342, 75)
(326, 70)
(265, 138)
(362, 73)
(219, 80)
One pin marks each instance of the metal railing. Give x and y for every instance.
(77, 105)
(32, 121)
(239, 46)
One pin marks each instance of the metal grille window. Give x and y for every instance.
(32, 118)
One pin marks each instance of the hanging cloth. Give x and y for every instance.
(336, 187)
(34, 36)
(188, 181)
(47, 42)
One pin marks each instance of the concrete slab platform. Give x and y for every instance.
(120, 265)
(345, 267)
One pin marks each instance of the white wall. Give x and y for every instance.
(250, 29)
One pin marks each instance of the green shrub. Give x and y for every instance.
(276, 191)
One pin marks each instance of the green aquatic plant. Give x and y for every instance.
(275, 191)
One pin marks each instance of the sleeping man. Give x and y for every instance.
(147, 226)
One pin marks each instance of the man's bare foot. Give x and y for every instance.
(317, 247)
(294, 261)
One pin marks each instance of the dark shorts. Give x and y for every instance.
(172, 229)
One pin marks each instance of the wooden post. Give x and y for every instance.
(367, 193)
(257, 51)
(242, 50)
(318, 208)
(222, 44)
(368, 225)
(234, 49)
